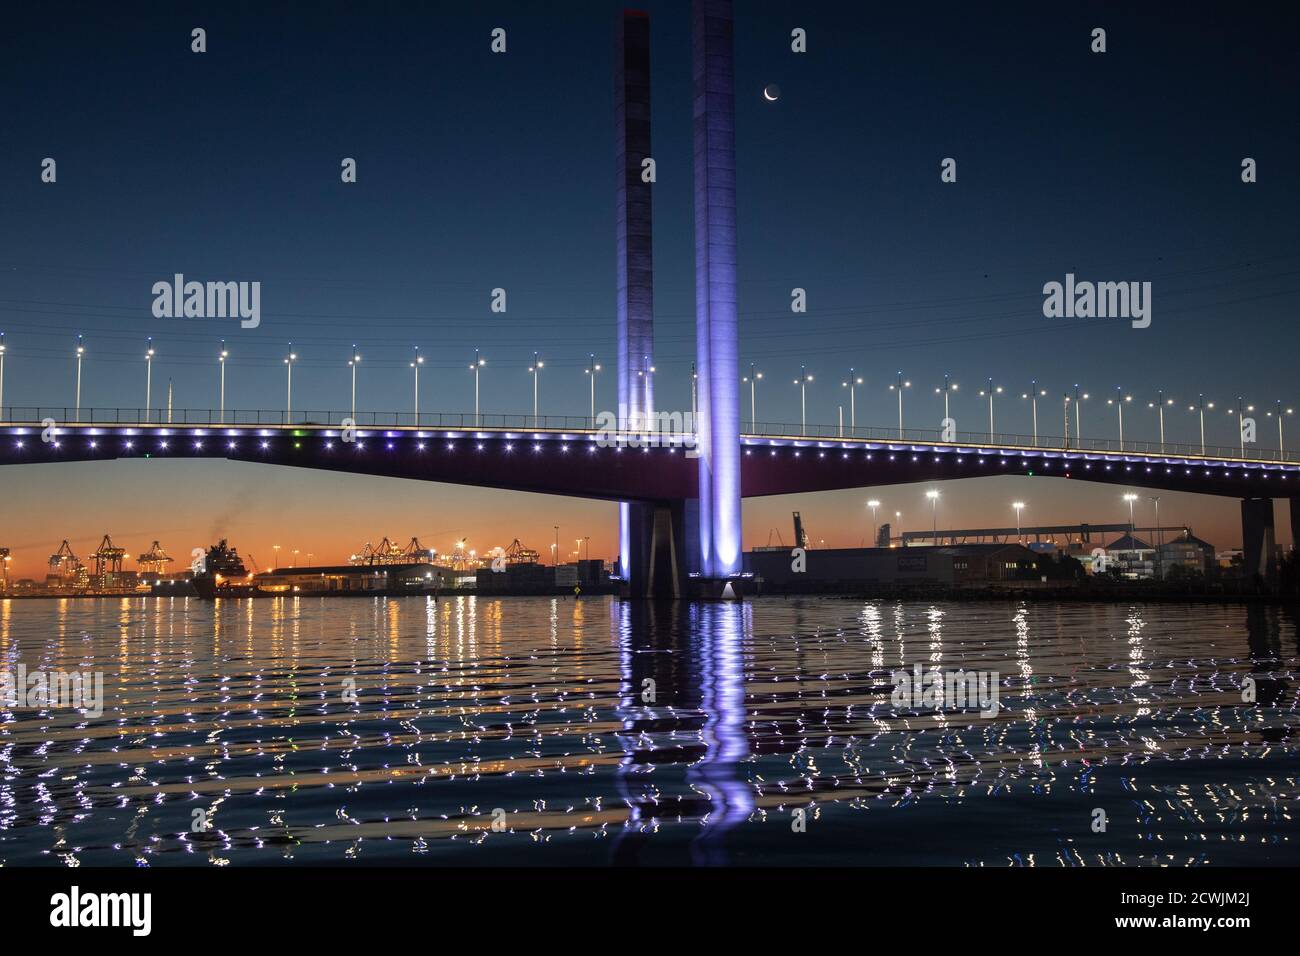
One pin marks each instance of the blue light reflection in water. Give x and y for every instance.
(533, 714)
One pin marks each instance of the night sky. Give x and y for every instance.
(478, 171)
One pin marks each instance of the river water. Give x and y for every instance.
(588, 731)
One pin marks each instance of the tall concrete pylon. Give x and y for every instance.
(717, 333)
(635, 256)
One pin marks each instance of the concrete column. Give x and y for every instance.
(715, 288)
(1295, 524)
(1258, 544)
(634, 242)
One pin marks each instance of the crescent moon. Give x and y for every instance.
(769, 97)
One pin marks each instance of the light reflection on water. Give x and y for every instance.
(595, 731)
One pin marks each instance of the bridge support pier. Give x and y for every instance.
(657, 536)
(1295, 524)
(1258, 544)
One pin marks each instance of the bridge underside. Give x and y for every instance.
(575, 464)
(664, 479)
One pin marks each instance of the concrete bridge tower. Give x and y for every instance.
(717, 335)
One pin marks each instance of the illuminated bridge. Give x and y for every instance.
(568, 456)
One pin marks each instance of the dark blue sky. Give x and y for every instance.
(478, 171)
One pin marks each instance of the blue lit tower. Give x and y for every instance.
(715, 288)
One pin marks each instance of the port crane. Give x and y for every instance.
(108, 559)
(65, 563)
(154, 561)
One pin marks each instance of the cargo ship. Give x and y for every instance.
(223, 575)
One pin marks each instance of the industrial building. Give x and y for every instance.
(949, 566)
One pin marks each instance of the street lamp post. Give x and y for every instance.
(2, 376)
(752, 378)
(1019, 506)
(1160, 404)
(802, 381)
(1242, 408)
(352, 364)
(1078, 415)
(148, 378)
(1281, 447)
(535, 370)
(1200, 408)
(948, 387)
(221, 397)
(646, 375)
(415, 364)
(899, 386)
(1118, 401)
(1032, 395)
(288, 394)
(873, 504)
(992, 390)
(592, 369)
(81, 350)
(852, 384)
(477, 364)
(933, 495)
(1132, 530)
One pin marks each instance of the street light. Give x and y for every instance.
(1019, 506)
(1118, 401)
(695, 398)
(646, 374)
(1130, 498)
(933, 495)
(81, 350)
(415, 364)
(148, 377)
(1032, 395)
(1242, 408)
(221, 361)
(352, 364)
(276, 549)
(947, 388)
(1160, 404)
(591, 370)
(873, 504)
(535, 370)
(899, 386)
(1078, 415)
(752, 378)
(991, 391)
(1280, 413)
(852, 384)
(802, 381)
(288, 400)
(477, 364)
(1200, 407)
(2, 376)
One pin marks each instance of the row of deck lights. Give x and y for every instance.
(592, 441)
(851, 383)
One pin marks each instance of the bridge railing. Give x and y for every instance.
(162, 417)
(1007, 439)
(178, 417)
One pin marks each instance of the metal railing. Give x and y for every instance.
(33, 416)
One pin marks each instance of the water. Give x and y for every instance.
(599, 732)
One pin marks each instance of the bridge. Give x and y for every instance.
(569, 455)
(680, 495)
